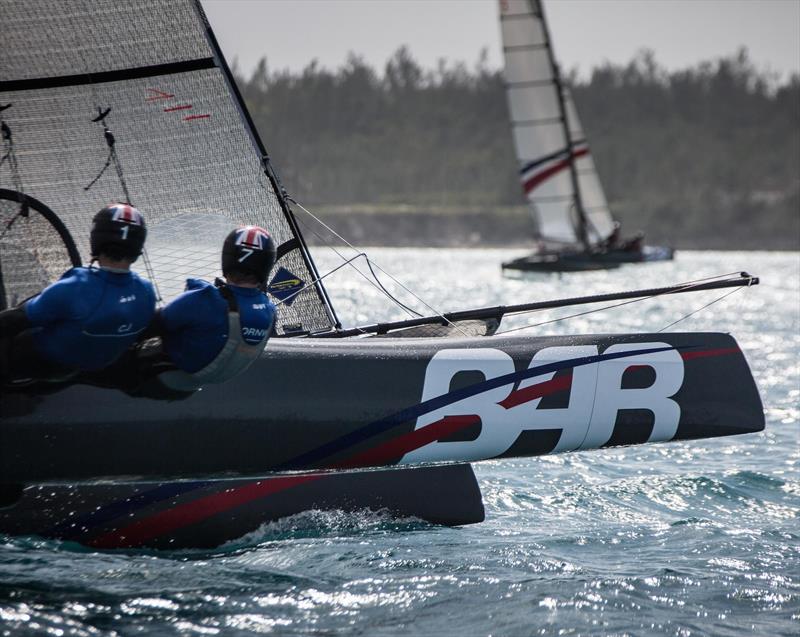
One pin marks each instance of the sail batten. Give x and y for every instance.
(107, 76)
(192, 160)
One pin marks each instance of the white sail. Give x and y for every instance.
(554, 189)
(600, 223)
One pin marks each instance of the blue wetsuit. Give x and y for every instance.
(89, 317)
(195, 324)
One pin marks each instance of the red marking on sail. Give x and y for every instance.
(394, 449)
(180, 107)
(689, 355)
(529, 184)
(539, 390)
(183, 515)
(191, 117)
(157, 95)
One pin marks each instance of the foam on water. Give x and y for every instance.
(688, 538)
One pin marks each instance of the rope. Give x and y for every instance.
(700, 309)
(11, 153)
(16, 178)
(370, 264)
(114, 158)
(374, 281)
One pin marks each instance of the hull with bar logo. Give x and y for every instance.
(315, 404)
(183, 473)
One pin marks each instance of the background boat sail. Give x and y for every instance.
(182, 473)
(576, 230)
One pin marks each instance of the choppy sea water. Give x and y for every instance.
(689, 538)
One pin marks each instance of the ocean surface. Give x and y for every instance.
(689, 538)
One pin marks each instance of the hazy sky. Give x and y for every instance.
(290, 33)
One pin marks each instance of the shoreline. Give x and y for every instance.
(498, 227)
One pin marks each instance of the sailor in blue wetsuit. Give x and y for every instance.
(213, 332)
(89, 317)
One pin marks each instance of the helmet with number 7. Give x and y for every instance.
(249, 250)
(118, 231)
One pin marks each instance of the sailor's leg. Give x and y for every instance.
(122, 374)
(152, 362)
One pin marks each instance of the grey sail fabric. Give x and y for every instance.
(34, 253)
(547, 133)
(190, 161)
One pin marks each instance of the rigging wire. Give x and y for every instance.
(352, 247)
(370, 264)
(318, 279)
(11, 154)
(16, 179)
(700, 309)
(374, 281)
(114, 158)
(687, 287)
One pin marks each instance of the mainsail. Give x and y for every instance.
(557, 172)
(188, 153)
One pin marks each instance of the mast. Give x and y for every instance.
(582, 222)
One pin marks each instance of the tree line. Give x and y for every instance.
(708, 156)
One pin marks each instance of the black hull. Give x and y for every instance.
(206, 514)
(311, 404)
(587, 261)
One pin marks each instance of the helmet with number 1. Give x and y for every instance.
(118, 231)
(249, 250)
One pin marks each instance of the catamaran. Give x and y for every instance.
(576, 230)
(108, 100)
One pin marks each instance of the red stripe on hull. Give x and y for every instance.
(538, 390)
(687, 356)
(397, 448)
(184, 515)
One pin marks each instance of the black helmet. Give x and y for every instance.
(118, 231)
(249, 250)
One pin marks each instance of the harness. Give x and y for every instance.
(234, 357)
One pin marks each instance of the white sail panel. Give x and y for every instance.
(550, 199)
(527, 65)
(600, 222)
(553, 224)
(518, 7)
(521, 32)
(532, 104)
(536, 141)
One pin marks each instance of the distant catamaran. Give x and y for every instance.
(576, 230)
